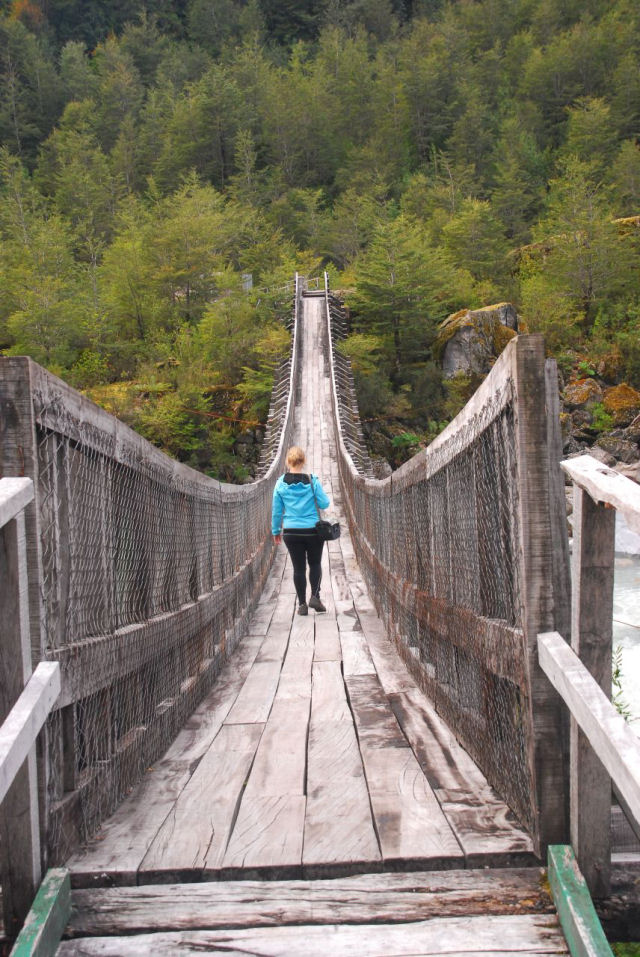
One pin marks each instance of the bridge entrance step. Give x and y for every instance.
(372, 915)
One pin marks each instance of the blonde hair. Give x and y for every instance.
(295, 457)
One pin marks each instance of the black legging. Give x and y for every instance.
(304, 545)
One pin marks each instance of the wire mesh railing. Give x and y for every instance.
(145, 573)
(457, 551)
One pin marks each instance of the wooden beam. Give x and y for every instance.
(591, 633)
(545, 750)
(582, 929)
(47, 918)
(605, 485)
(21, 727)
(15, 495)
(610, 736)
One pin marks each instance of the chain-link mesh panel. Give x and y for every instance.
(439, 546)
(149, 573)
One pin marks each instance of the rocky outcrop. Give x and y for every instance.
(603, 420)
(470, 340)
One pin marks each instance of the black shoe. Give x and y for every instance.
(303, 609)
(315, 602)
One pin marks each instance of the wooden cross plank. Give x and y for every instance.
(466, 936)
(380, 898)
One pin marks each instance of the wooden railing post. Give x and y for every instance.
(591, 632)
(543, 598)
(19, 817)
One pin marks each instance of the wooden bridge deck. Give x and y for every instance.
(314, 756)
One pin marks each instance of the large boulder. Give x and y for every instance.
(470, 340)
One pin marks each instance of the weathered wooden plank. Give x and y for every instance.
(256, 697)
(329, 699)
(408, 818)
(376, 723)
(578, 917)
(445, 763)
(486, 829)
(471, 936)
(337, 829)
(355, 654)
(116, 852)
(200, 729)
(281, 758)
(381, 898)
(327, 644)
(126, 837)
(390, 668)
(592, 567)
(196, 831)
(45, 922)
(267, 835)
(609, 734)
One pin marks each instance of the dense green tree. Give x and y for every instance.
(403, 288)
(29, 89)
(581, 262)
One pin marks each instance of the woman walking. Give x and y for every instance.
(293, 517)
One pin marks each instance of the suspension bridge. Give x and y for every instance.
(215, 773)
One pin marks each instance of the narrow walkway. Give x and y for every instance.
(315, 755)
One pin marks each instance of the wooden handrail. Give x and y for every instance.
(15, 495)
(617, 746)
(602, 749)
(606, 486)
(22, 725)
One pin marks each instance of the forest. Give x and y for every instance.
(431, 156)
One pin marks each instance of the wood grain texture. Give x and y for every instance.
(254, 701)
(267, 836)
(409, 820)
(338, 825)
(471, 936)
(381, 898)
(327, 643)
(592, 571)
(196, 831)
(280, 762)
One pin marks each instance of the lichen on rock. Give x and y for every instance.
(470, 340)
(581, 393)
(622, 403)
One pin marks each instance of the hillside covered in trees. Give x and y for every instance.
(432, 156)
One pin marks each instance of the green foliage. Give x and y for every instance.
(601, 421)
(618, 699)
(626, 950)
(440, 155)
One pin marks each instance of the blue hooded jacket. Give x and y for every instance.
(293, 501)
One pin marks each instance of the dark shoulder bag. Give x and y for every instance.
(327, 531)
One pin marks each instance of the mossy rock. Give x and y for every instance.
(480, 336)
(581, 393)
(622, 403)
